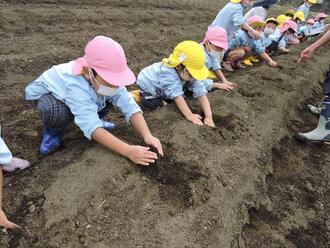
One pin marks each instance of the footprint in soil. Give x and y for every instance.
(181, 185)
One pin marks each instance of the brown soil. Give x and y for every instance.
(246, 183)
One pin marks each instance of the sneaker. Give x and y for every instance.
(16, 164)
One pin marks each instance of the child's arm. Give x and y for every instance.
(3, 219)
(140, 125)
(184, 109)
(247, 27)
(206, 108)
(268, 59)
(138, 154)
(225, 85)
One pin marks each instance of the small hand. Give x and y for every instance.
(257, 34)
(6, 223)
(153, 141)
(208, 121)
(196, 119)
(272, 63)
(141, 155)
(226, 85)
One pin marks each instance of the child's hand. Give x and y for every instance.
(141, 155)
(153, 141)
(247, 49)
(272, 63)
(226, 85)
(6, 223)
(208, 121)
(285, 50)
(196, 119)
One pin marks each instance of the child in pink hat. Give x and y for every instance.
(244, 45)
(280, 38)
(214, 46)
(83, 91)
(320, 19)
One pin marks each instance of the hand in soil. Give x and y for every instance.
(6, 223)
(209, 122)
(225, 85)
(272, 63)
(141, 155)
(196, 119)
(154, 142)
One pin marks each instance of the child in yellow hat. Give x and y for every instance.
(167, 80)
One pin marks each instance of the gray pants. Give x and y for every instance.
(55, 114)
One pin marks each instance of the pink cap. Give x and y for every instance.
(319, 16)
(310, 21)
(255, 20)
(289, 24)
(107, 58)
(217, 36)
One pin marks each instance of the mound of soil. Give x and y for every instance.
(246, 183)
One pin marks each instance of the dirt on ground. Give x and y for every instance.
(247, 183)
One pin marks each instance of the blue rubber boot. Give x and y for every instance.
(51, 140)
(107, 125)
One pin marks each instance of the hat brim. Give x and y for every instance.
(272, 21)
(198, 74)
(285, 28)
(221, 44)
(123, 78)
(257, 24)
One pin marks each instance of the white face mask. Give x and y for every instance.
(268, 31)
(185, 75)
(102, 90)
(218, 56)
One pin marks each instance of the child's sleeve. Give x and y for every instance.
(5, 154)
(126, 103)
(258, 47)
(215, 65)
(238, 18)
(84, 110)
(198, 88)
(171, 84)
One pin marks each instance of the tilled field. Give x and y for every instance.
(247, 183)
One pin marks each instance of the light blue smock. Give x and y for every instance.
(230, 17)
(79, 95)
(305, 9)
(211, 64)
(242, 39)
(161, 81)
(265, 40)
(276, 36)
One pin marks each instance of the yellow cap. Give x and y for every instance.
(312, 1)
(281, 19)
(272, 19)
(300, 15)
(290, 13)
(191, 55)
(235, 1)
